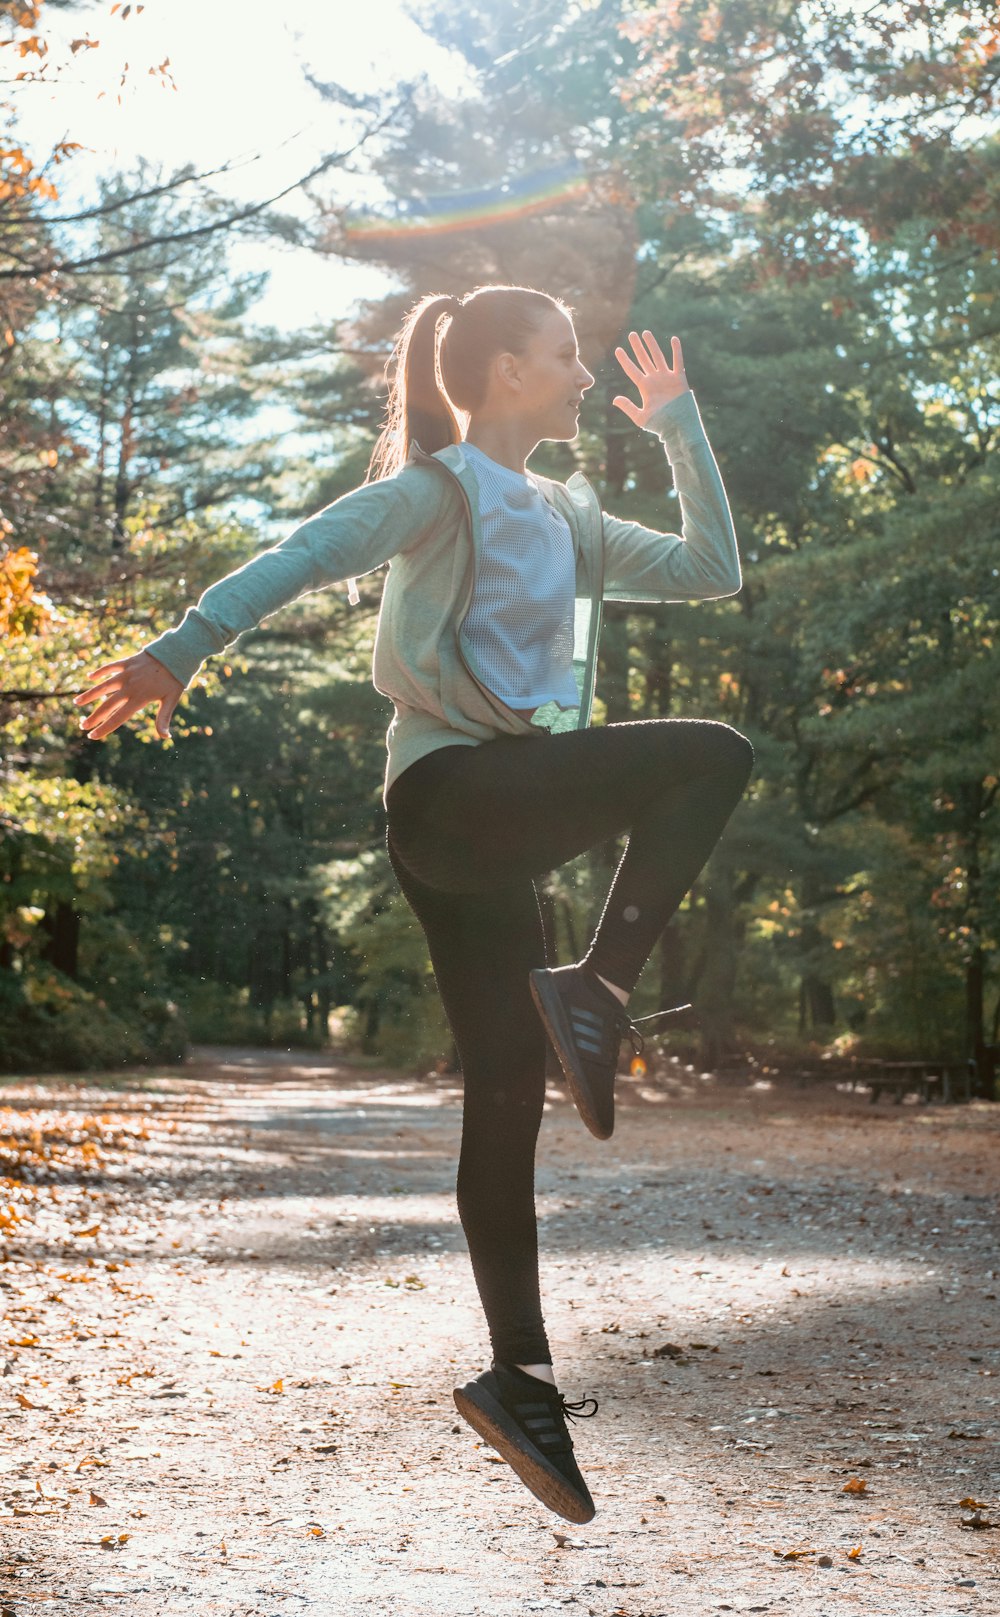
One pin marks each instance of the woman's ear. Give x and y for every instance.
(508, 371)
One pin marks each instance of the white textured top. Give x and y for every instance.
(519, 626)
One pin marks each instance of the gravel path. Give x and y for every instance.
(237, 1299)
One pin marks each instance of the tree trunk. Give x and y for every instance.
(658, 695)
(62, 948)
(817, 1011)
(573, 948)
(372, 1023)
(718, 978)
(975, 969)
(673, 988)
(612, 683)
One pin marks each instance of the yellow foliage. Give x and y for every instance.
(22, 612)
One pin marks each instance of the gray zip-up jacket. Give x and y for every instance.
(424, 522)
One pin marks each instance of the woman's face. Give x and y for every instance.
(551, 379)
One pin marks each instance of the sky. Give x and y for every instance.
(241, 98)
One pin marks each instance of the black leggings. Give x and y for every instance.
(468, 830)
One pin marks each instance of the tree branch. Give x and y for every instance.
(183, 178)
(37, 696)
(72, 267)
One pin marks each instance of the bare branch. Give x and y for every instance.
(183, 178)
(72, 267)
(37, 696)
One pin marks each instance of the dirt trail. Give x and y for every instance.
(237, 1299)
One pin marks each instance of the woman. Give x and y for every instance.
(487, 644)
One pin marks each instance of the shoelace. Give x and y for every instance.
(579, 1411)
(627, 1028)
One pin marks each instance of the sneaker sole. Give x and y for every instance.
(550, 1009)
(489, 1418)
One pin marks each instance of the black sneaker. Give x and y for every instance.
(524, 1419)
(586, 1025)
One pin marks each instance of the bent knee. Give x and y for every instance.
(735, 752)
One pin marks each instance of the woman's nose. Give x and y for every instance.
(586, 380)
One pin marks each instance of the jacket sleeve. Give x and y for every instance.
(700, 563)
(354, 535)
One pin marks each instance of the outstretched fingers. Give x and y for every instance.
(164, 714)
(116, 667)
(98, 691)
(628, 365)
(655, 357)
(123, 688)
(629, 408)
(656, 353)
(648, 352)
(107, 717)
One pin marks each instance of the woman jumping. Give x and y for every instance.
(487, 645)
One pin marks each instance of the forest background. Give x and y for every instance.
(809, 194)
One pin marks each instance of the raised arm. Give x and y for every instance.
(702, 562)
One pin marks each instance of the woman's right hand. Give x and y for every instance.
(124, 688)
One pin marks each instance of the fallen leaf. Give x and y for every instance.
(24, 1402)
(856, 1485)
(793, 1555)
(855, 1554)
(90, 1459)
(977, 1520)
(95, 1499)
(92, 1229)
(968, 1503)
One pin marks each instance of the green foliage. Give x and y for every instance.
(49, 1023)
(399, 1013)
(218, 1013)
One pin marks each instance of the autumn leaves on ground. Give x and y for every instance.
(237, 1299)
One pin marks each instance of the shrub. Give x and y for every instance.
(215, 1013)
(50, 1024)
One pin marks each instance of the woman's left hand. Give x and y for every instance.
(657, 382)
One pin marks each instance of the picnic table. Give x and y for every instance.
(949, 1079)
